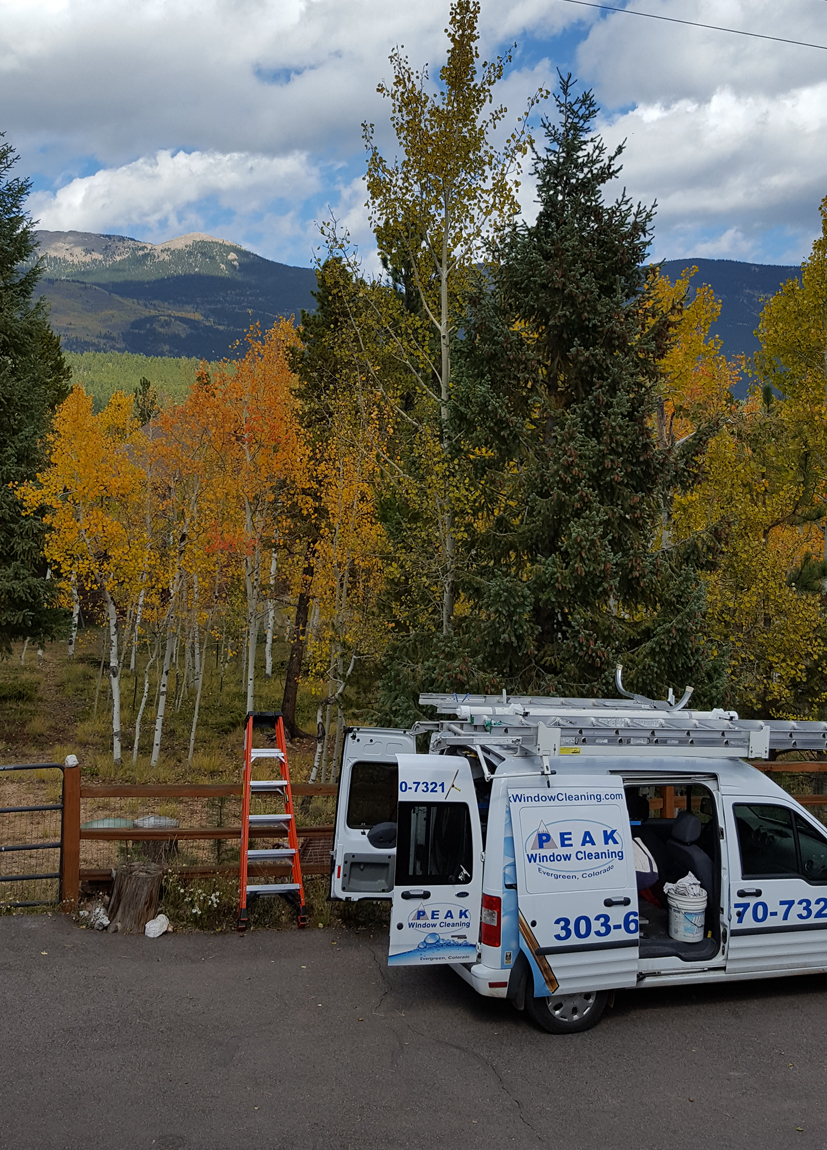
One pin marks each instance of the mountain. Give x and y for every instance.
(191, 296)
(742, 289)
(197, 295)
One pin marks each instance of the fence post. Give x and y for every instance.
(70, 836)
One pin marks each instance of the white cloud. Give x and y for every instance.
(736, 164)
(160, 192)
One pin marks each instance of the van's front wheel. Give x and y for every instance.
(567, 1013)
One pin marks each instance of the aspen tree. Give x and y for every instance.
(92, 492)
(432, 209)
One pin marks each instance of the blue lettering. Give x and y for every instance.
(609, 837)
(449, 914)
(587, 839)
(420, 914)
(463, 914)
(434, 915)
(565, 839)
(543, 839)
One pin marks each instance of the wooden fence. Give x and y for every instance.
(315, 842)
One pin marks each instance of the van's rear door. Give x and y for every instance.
(438, 885)
(368, 789)
(576, 884)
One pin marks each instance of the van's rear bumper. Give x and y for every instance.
(485, 979)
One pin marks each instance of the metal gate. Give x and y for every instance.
(31, 837)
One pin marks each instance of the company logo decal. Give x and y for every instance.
(439, 917)
(574, 848)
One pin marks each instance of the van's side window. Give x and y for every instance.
(373, 792)
(766, 839)
(813, 848)
(434, 844)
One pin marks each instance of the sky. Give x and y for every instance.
(242, 118)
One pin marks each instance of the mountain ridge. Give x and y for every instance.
(196, 295)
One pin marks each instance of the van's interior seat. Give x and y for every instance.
(685, 854)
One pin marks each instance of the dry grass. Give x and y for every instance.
(47, 710)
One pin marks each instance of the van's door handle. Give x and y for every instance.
(416, 894)
(749, 892)
(616, 901)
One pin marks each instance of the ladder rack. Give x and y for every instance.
(618, 726)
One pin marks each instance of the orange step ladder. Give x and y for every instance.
(278, 824)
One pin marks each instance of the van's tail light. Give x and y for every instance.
(491, 925)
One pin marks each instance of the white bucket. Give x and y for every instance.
(686, 916)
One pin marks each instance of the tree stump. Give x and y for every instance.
(134, 896)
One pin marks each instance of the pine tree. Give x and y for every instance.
(555, 400)
(33, 381)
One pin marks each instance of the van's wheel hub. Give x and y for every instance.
(567, 1013)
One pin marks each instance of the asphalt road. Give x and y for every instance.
(307, 1041)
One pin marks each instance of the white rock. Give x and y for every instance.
(99, 918)
(157, 926)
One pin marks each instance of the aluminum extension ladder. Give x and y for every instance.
(283, 823)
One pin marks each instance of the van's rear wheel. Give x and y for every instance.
(567, 1013)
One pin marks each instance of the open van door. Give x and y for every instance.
(438, 886)
(368, 787)
(576, 884)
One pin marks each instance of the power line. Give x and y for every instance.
(695, 24)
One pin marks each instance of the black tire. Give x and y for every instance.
(567, 1013)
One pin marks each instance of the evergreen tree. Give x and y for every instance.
(33, 381)
(570, 568)
(556, 399)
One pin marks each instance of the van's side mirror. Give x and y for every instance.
(383, 836)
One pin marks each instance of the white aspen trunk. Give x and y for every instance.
(445, 395)
(252, 579)
(330, 701)
(162, 694)
(337, 750)
(73, 630)
(23, 652)
(196, 648)
(100, 679)
(114, 674)
(271, 617)
(199, 685)
(181, 683)
(313, 624)
(197, 659)
(136, 630)
(320, 733)
(144, 697)
(252, 633)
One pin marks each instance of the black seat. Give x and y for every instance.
(685, 854)
(638, 806)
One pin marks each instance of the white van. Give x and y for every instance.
(508, 849)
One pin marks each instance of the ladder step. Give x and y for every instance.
(274, 853)
(268, 785)
(264, 820)
(265, 753)
(273, 888)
